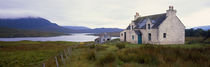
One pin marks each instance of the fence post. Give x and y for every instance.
(56, 60)
(62, 59)
(43, 64)
(69, 51)
(65, 54)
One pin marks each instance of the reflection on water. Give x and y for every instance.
(76, 37)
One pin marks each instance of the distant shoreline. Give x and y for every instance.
(25, 36)
(112, 34)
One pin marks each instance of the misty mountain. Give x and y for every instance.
(41, 24)
(102, 30)
(76, 27)
(83, 29)
(11, 32)
(29, 23)
(206, 27)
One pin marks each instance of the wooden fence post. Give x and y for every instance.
(69, 51)
(65, 54)
(56, 60)
(62, 59)
(43, 64)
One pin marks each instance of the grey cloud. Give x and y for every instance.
(94, 13)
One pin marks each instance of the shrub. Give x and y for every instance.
(92, 46)
(120, 45)
(147, 59)
(91, 55)
(99, 47)
(138, 55)
(109, 58)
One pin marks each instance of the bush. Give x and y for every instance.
(92, 46)
(91, 55)
(99, 47)
(138, 55)
(109, 58)
(120, 45)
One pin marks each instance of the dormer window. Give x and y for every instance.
(148, 26)
(132, 26)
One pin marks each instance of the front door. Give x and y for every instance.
(139, 39)
(125, 36)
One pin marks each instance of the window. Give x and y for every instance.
(164, 35)
(149, 37)
(148, 26)
(121, 34)
(132, 27)
(133, 37)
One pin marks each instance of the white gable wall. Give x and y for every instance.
(174, 29)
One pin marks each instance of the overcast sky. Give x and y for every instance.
(105, 13)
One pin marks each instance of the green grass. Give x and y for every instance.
(134, 55)
(29, 53)
(34, 53)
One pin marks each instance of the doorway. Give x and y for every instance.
(125, 36)
(139, 39)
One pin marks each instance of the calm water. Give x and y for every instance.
(78, 37)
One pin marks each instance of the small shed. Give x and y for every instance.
(102, 38)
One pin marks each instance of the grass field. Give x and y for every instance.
(117, 54)
(112, 54)
(28, 53)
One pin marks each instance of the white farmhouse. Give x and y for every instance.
(165, 28)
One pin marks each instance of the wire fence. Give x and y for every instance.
(60, 59)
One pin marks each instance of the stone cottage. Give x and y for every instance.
(102, 38)
(165, 28)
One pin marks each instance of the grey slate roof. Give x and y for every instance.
(155, 19)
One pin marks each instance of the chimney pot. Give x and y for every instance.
(136, 16)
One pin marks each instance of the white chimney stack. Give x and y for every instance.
(171, 11)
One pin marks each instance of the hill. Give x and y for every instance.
(30, 23)
(207, 27)
(82, 29)
(10, 33)
(77, 27)
(102, 30)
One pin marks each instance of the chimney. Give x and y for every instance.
(171, 11)
(136, 16)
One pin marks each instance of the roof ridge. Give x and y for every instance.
(148, 16)
(153, 15)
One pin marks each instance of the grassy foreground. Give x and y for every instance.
(117, 54)
(112, 54)
(29, 53)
